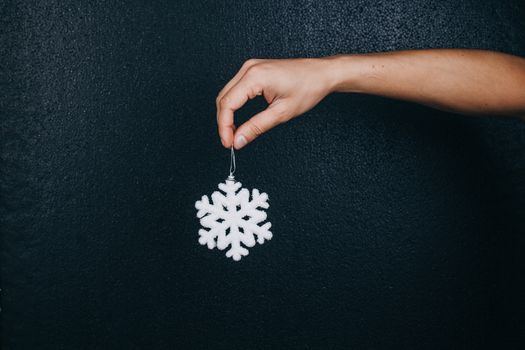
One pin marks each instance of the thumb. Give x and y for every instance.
(256, 126)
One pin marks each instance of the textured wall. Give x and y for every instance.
(394, 225)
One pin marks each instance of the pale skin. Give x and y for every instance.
(470, 82)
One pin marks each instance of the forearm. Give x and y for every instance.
(462, 81)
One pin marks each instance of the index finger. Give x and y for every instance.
(246, 65)
(234, 99)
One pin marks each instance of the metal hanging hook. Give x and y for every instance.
(232, 165)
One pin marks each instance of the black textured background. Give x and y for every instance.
(395, 226)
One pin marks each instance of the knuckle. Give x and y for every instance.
(224, 102)
(254, 91)
(250, 62)
(255, 129)
(254, 71)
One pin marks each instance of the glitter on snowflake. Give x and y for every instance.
(232, 218)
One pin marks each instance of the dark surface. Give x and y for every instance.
(395, 226)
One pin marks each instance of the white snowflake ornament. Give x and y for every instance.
(231, 220)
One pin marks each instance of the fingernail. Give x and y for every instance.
(240, 141)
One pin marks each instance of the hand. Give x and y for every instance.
(290, 86)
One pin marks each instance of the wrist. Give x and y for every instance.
(343, 72)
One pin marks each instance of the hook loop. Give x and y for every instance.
(232, 164)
